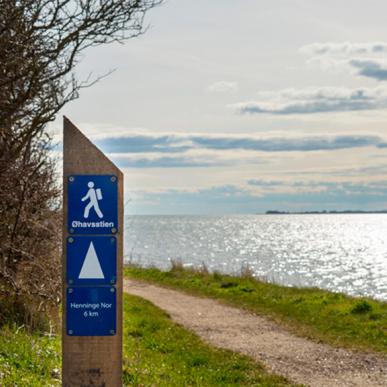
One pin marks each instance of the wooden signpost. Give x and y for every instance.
(92, 264)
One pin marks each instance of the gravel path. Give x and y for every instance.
(299, 359)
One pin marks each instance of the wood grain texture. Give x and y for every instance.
(90, 361)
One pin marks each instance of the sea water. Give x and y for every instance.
(345, 253)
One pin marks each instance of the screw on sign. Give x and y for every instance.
(92, 265)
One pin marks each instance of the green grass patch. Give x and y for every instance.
(157, 352)
(28, 359)
(333, 318)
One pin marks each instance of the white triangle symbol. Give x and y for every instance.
(91, 267)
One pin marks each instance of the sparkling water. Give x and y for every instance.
(345, 253)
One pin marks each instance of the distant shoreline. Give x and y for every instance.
(274, 212)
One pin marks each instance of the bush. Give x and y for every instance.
(30, 248)
(361, 307)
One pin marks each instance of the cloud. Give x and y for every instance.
(321, 185)
(142, 143)
(288, 144)
(265, 183)
(364, 59)
(316, 100)
(162, 162)
(345, 48)
(154, 144)
(132, 144)
(370, 68)
(233, 199)
(223, 87)
(343, 172)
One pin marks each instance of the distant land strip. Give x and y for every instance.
(275, 212)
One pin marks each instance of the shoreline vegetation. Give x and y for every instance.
(357, 323)
(157, 352)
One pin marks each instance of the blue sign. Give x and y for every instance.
(92, 206)
(91, 260)
(91, 311)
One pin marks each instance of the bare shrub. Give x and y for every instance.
(247, 271)
(176, 264)
(29, 230)
(40, 44)
(203, 269)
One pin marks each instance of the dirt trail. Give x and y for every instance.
(299, 359)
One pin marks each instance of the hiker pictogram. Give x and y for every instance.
(93, 195)
(92, 204)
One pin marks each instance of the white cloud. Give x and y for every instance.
(345, 48)
(223, 87)
(364, 59)
(316, 100)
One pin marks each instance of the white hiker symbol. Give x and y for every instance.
(93, 195)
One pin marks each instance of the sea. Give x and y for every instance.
(339, 252)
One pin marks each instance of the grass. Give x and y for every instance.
(28, 359)
(332, 318)
(157, 352)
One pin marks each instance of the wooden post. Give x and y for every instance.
(90, 360)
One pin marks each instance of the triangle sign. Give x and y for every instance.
(91, 268)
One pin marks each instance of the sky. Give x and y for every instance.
(239, 107)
